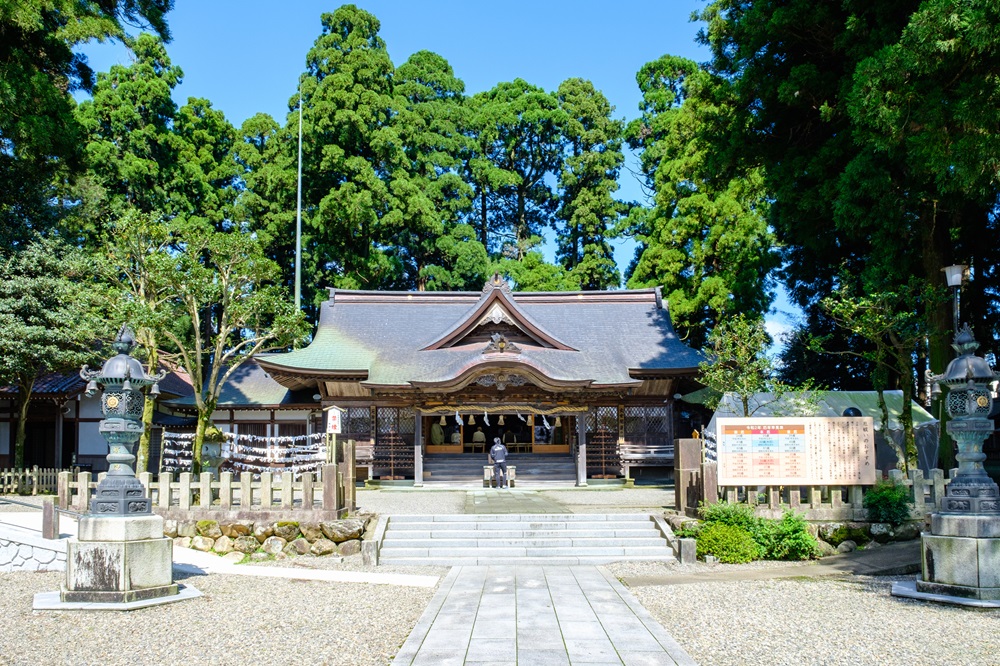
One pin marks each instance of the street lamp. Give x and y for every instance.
(954, 275)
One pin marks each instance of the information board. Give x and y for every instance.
(803, 451)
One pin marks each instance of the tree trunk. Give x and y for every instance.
(24, 390)
(142, 451)
(204, 420)
(934, 237)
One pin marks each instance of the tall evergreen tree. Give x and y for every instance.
(705, 238)
(588, 180)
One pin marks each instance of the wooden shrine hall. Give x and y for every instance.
(588, 374)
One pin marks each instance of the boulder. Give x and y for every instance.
(246, 544)
(343, 530)
(323, 547)
(262, 530)
(170, 528)
(273, 545)
(881, 532)
(352, 547)
(286, 529)
(223, 545)
(187, 528)
(907, 531)
(847, 546)
(259, 557)
(237, 529)
(202, 543)
(182, 542)
(311, 531)
(209, 528)
(824, 549)
(234, 557)
(300, 546)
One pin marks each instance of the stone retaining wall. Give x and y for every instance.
(30, 553)
(281, 538)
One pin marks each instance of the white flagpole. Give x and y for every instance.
(298, 216)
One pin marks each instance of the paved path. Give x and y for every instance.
(536, 615)
(490, 500)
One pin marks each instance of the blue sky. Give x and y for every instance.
(246, 56)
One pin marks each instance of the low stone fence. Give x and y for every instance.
(28, 481)
(267, 537)
(27, 552)
(332, 492)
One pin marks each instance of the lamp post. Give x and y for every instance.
(961, 553)
(954, 275)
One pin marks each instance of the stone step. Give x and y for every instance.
(486, 533)
(526, 517)
(526, 541)
(525, 551)
(487, 559)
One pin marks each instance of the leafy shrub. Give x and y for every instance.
(888, 502)
(733, 545)
(735, 515)
(790, 539)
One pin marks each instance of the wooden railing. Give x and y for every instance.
(28, 481)
(331, 490)
(839, 502)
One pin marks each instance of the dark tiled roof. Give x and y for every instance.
(251, 386)
(384, 336)
(52, 384)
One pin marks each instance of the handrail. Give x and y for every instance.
(50, 526)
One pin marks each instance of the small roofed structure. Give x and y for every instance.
(552, 372)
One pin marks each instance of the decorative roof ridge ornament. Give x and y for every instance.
(499, 344)
(496, 282)
(965, 341)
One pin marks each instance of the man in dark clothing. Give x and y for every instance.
(498, 454)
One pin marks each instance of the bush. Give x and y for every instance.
(790, 539)
(888, 502)
(732, 545)
(845, 533)
(735, 515)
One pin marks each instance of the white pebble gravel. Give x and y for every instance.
(238, 621)
(850, 621)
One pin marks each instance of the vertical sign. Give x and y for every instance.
(333, 420)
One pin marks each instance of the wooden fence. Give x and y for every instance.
(333, 489)
(28, 481)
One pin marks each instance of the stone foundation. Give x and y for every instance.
(961, 557)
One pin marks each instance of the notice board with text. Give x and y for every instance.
(790, 451)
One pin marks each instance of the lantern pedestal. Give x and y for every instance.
(117, 559)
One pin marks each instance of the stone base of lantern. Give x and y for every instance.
(960, 562)
(119, 559)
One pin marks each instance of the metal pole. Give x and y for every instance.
(298, 217)
(955, 309)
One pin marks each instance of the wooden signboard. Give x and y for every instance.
(796, 451)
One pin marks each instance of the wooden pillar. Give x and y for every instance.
(418, 450)
(59, 435)
(581, 450)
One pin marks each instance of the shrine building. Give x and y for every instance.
(590, 375)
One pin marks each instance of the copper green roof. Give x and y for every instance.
(400, 339)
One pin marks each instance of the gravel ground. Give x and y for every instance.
(409, 502)
(614, 500)
(238, 621)
(850, 621)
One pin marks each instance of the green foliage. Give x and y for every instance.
(39, 70)
(50, 317)
(785, 539)
(789, 539)
(706, 238)
(888, 502)
(732, 545)
(741, 365)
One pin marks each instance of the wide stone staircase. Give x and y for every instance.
(466, 470)
(522, 539)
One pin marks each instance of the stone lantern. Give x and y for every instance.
(120, 556)
(122, 378)
(961, 553)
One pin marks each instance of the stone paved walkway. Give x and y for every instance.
(489, 500)
(536, 615)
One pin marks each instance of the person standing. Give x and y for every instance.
(498, 455)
